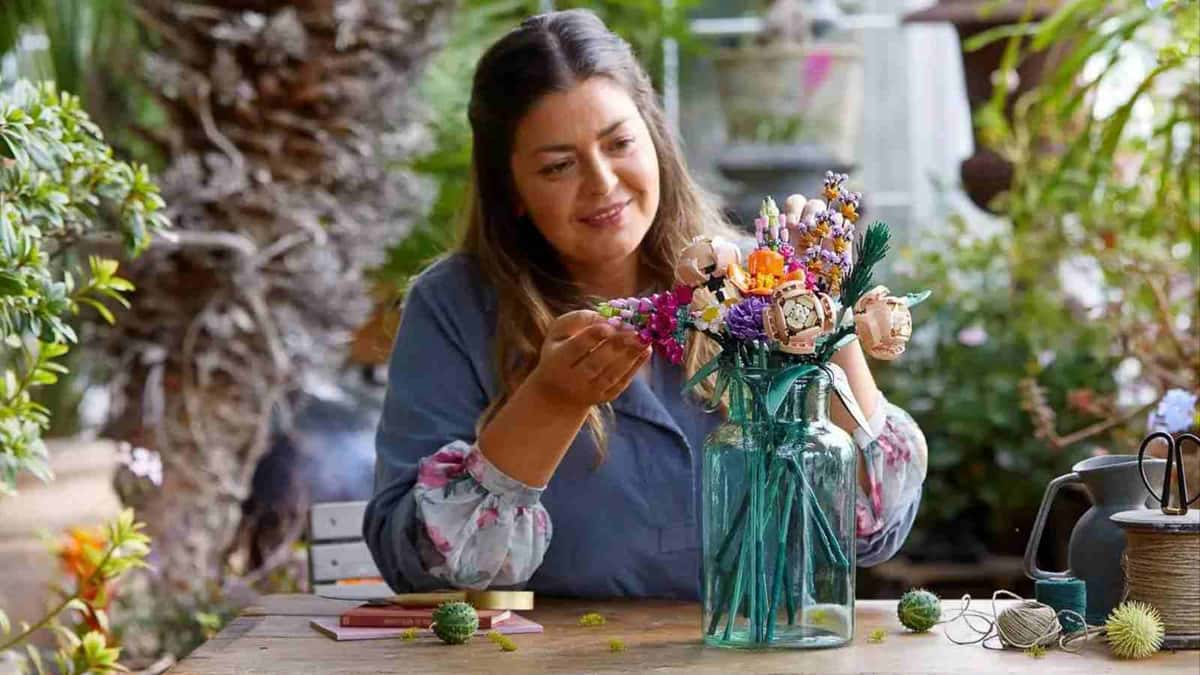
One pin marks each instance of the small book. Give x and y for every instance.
(514, 625)
(375, 616)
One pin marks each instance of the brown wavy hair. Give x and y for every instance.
(552, 53)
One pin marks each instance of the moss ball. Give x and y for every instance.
(455, 622)
(919, 610)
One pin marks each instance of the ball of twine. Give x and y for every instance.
(1027, 624)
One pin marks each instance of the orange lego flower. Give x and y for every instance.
(765, 261)
(738, 277)
(762, 284)
(794, 275)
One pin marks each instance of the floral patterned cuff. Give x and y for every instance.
(877, 421)
(508, 489)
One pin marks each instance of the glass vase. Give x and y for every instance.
(778, 520)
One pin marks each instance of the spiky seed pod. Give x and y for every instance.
(1134, 630)
(455, 622)
(919, 610)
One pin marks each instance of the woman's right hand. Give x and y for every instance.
(586, 361)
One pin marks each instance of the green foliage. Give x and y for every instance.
(873, 249)
(76, 32)
(92, 48)
(445, 88)
(126, 549)
(59, 182)
(960, 381)
(1106, 154)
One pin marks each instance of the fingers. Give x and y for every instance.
(581, 345)
(614, 390)
(621, 346)
(625, 349)
(572, 323)
(574, 349)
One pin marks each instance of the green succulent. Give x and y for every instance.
(455, 622)
(919, 610)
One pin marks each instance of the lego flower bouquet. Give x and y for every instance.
(779, 484)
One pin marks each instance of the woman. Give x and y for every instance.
(579, 193)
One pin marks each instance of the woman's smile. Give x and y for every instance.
(607, 216)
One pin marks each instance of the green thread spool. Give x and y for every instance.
(1069, 593)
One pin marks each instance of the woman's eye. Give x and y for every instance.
(555, 168)
(622, 143)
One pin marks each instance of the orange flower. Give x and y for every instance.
(762, 284)
(79, 555)
(81, 551)
(765, 261)
(738, 277)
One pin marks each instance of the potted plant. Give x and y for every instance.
(787, 86)
(791, 97)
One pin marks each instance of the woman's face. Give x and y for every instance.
(586, 173)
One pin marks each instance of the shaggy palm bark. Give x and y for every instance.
(287, 120)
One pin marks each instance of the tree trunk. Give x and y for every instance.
(287, 120)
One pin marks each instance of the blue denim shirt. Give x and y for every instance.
(627, 526)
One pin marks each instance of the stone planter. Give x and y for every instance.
(792, 94)
(791, 113)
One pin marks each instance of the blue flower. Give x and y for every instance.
(1176, 412)
(1154, 4)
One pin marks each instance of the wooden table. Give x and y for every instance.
(274, 637)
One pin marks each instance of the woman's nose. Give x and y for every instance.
(603, 178)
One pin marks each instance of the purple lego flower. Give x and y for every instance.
(745, 319)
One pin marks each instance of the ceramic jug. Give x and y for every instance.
(1094, 552)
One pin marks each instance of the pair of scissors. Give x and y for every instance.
(1174, 458)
